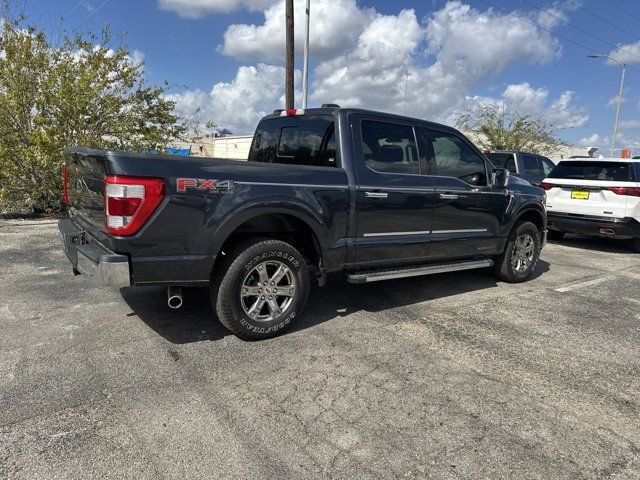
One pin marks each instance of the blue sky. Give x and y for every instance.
(458, 53)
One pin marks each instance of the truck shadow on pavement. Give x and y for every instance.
(196, 320)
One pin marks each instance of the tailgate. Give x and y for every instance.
(585, 198)
(590, 187)
(85, 187)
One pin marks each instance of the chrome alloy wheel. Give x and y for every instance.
(524, 250)
(267, 291)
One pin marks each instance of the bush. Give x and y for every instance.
(83, 92)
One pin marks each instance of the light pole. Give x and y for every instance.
(615, 124)
(407, 74)
(305, 71)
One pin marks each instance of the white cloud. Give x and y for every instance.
(630, 125)
(594, 140)
(629, 53)
(200, 8)
(561, 113)
(335, 27)
(363, 56)
(468, 45)
(239, 104)
(604, 143)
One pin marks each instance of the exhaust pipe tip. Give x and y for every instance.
(174, 297)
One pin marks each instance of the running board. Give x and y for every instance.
(376, 276)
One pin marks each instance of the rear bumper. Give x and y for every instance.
(92, 259)
(594, 225)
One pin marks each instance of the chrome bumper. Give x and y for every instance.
(92, 259)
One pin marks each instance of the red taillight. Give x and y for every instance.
(123, 207)
(630, 191)
(65, 185)
(130, 201)
(547, 186)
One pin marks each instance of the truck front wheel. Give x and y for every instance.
(521, 254)
(260, 288)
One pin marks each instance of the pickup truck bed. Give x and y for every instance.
(372, 195)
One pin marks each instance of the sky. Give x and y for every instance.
(225, 57)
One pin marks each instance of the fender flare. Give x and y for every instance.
(530, 207)
(253, 210)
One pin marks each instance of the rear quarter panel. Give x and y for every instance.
(182, 238)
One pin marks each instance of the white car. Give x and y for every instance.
(599, 196)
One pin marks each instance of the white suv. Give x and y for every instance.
(599, 196)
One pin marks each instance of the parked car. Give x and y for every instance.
(599, 197)
(530, 166)
(372, 195)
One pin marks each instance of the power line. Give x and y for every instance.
(75, 8)
(626, 12)
(583, 30)
(562, 37)
(604, 19)
(90, 15)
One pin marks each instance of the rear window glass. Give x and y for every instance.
(302, 140)
(503, 160)
(594, 170)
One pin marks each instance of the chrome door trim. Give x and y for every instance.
(392, 234)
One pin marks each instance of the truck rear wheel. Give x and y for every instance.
(521, 254)
(260, 288)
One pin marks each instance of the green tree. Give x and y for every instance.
(84, 91)
(493, 128)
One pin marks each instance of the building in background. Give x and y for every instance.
(568, 151)
(223, 146)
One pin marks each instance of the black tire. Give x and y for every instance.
(555, 235)
(636, 244)
(240, 275)
(504, 266)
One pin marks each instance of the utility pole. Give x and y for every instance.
(615, 124)
(289, 55)
(305, 71)
(407, 74)
(619, 102)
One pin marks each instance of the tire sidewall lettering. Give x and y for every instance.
(272, 254)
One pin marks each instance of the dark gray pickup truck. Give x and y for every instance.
(372, 195)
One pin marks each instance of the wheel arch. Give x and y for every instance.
(531, 214)
(294, 225)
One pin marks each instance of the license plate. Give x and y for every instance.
(580, 194)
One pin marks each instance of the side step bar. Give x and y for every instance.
(376, 276)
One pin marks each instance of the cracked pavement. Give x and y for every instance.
(449, 376)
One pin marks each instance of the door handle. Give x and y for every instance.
(448, 196)
(376, 194)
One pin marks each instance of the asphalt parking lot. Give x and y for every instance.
(448, 376)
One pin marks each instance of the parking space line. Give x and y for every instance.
(585, 284)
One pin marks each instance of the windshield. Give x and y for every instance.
(594, 170)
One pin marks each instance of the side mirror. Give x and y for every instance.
(500, 177)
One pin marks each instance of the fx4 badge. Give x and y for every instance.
(218, 186)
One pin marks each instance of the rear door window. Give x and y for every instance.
(531, 165)
(594, 170)
(389, 147)
(301, 140)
